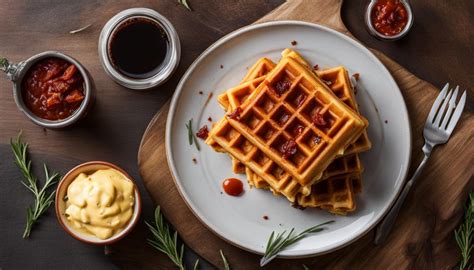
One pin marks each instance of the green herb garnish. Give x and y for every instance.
(3, 62)
(282, 240)
(224, 260)
(465, 233)
(43, 200)
(163, 241)
(185, 4)
(191, 136)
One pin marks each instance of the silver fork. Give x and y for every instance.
(439, 126)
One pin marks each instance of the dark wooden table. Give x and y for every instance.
(438, 49)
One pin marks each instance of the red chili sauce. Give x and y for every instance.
(233, 186)
(53, 89)
(389, 17)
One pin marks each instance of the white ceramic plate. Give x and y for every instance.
(239, 220)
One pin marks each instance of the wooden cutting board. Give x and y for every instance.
(423, 234)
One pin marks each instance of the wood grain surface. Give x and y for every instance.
(438, 49)
(422, 237)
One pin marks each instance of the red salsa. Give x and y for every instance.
(53, 89)
(233, 186)
(389, 17)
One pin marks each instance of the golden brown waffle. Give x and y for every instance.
(254, 159)
(348, 164)
(257, 72)
(335, 194)
(255, 76)
(280, 111)
(341, 165)
(338, 81)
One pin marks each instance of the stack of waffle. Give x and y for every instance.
(295, 131)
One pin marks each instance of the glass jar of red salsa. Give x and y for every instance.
(389, 19)
(53, 89)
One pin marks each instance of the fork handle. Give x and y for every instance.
(386, 225)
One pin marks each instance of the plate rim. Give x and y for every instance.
(234, 34)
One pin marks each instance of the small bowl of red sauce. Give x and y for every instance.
(389, 19)
(52, 89)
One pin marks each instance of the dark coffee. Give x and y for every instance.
(138, 48)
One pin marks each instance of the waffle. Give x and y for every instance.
(347, 164)
(272, 117)
(338, 81)
(254, 76)
(335, 194)
(256, 72)
(253, 158)
(336, 78)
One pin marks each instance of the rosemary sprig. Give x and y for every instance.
(164, 242)
(185, 4)
(224, 260)
(191, 136)
(282, 240)
(465, 233)
(43, 200)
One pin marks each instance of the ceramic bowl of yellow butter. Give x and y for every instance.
(98, 203)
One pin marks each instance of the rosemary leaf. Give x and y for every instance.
(3, 62)
(191, 136)
(196, 265)
(224, 260)
(465, 233)
(282, 240)
(185, 4)
(305, 267)
(75, 31)
(163, 241)
(43, 200)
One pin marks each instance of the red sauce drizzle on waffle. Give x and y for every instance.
(235, 114)
(281, 87)
(288, 149)
(203, 132)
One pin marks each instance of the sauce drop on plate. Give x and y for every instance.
(233, 186)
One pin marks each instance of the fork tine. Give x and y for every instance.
(440, 114)
(457, 113)
(436, 104)
(449, 111)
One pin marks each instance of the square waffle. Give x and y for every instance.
(338, 81)
(348, 165)
(280, 114)
(253, 158)
(336, 78)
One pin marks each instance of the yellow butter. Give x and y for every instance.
(100, 204)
